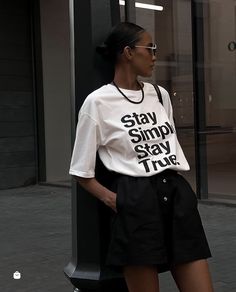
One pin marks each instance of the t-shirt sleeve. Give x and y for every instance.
(85, 148)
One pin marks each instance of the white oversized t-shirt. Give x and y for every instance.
(132, 139)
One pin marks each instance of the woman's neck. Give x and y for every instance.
(126, 79)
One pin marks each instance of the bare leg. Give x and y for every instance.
(193, 276)
(141, 278)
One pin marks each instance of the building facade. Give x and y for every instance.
(196, 63)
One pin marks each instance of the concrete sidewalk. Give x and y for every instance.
(35, 232)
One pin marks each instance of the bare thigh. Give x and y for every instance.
(193, 276)
(141, 278)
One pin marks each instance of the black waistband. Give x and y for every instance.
(162, 173)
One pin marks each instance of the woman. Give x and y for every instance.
(156, 225)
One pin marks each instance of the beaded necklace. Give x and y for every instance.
(132, 101)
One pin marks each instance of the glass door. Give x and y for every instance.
(170, 23)
(220, 96)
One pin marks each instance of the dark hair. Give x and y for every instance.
(122, 35)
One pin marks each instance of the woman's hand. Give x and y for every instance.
(110, 200)
(99, 191)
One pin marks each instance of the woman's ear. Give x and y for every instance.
(128, 52)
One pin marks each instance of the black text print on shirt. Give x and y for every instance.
(148, 149)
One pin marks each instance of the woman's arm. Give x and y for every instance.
(98, 190)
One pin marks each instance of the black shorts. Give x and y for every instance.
(157, 222)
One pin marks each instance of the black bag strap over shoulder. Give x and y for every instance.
(158, 93)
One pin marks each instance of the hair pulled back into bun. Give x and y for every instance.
(122, 35)
(104, 51)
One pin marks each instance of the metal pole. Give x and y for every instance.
(199, 99)
(90, 218)
(130, 13)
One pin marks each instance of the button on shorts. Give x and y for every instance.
(157, 222)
